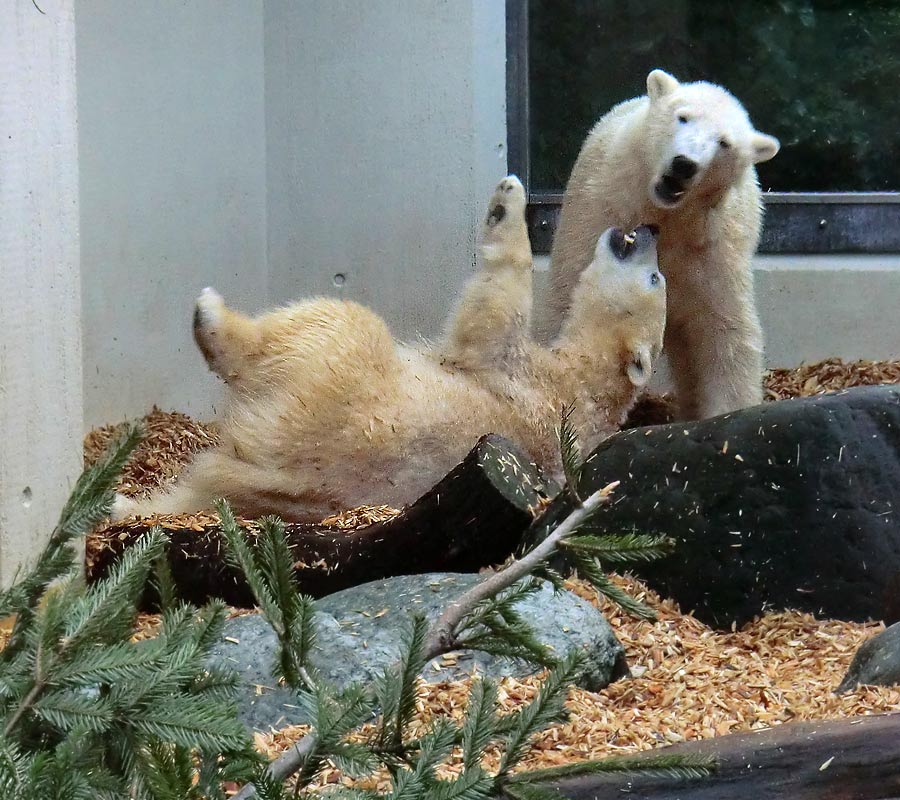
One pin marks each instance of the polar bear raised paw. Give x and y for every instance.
(504, 234)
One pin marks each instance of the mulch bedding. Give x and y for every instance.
(688, 681)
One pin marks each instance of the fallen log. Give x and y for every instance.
(849, 759)
(474, 517)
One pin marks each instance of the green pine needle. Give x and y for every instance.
(243, 557)
(590, 569)
(480, 725)
(91, 499)
(110, 604)
(494, 626)
(164, 583)
(67, 710)
(396, 686)
(546, 708)
(202, 723)
(570, 452)
(473, 784)
(622, 548)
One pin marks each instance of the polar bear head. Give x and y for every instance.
(619, 303)
(700, 140)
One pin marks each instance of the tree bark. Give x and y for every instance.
(849, 759)
(474, 517)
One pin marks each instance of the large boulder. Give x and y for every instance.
(876, 663)
(793, 504)
(360, 631)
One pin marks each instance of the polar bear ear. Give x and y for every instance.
(640, 366)
(764, 147)
(660, 83)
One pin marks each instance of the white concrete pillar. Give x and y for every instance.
(40, 306)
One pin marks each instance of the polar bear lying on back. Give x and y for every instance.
(326, 411)
(681, 157)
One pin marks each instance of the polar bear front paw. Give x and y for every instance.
(122, 507)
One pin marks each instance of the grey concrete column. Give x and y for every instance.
(40, 306)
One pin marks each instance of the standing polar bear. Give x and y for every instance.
(682, 157)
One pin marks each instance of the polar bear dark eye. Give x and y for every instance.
(724, 144)
(682, 119)
(654, 279)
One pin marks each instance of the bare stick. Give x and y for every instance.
(441, 636)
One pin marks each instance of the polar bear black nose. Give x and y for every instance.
(684, 167)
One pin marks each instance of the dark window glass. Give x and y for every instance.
(824, 77)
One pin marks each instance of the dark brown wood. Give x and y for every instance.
(850, 759)
(474, 517)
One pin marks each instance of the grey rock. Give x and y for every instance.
(876, 663)
(360, 631)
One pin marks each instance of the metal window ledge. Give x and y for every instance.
(794, 223)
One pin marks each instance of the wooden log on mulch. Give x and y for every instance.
(474, 517)
(848, 759)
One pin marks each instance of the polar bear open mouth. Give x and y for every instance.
(624, 243)
(670, 189)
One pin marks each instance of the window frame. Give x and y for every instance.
(802, 223)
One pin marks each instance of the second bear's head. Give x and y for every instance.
(619, 303)
(699, 140)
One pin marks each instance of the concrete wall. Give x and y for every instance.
(172, 148)
(266, 148)
(40, 345)
(385, 130)
(814, 307)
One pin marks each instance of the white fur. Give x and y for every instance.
(709, 231)
(327, 412)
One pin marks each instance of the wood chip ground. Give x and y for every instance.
(688, 681)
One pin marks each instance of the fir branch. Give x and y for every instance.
(480, 724)
(473, 784)
(494, 626)
(269, 572)
(12, 767)
(622, 548)
(241, 555)
(67, 710)
(591, 571)
(110, 605)
(92, 497)
(89, 503)
(570, 452)
(434, 747)
(395, 688)
(353, 759)
(203, 723)
(442, 637)
(109, 663)
(545, 709)
(164, 583)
